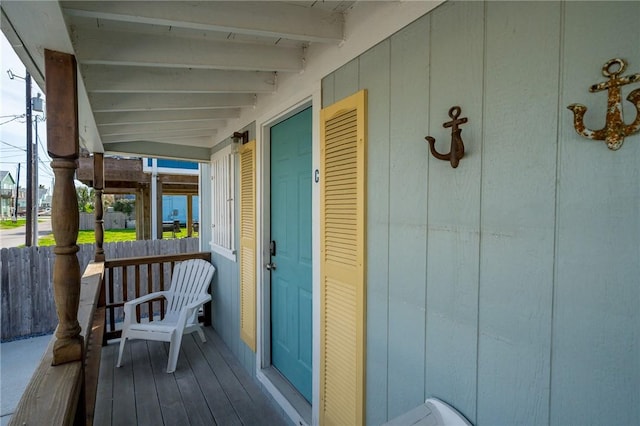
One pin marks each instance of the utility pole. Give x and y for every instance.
(32, 104)
(29, 237)
(34, 182)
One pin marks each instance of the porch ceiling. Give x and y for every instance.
(166, 77)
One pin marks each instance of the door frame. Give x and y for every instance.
(289, 399)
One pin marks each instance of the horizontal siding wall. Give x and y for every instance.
(507, 287)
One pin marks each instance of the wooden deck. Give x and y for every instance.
(209, 387)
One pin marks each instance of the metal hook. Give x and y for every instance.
(615, 129)
(457, 146)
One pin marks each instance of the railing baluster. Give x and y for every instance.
(112, 310)
(162, 307)
(150, 290)
(137, 269)
(125, 283)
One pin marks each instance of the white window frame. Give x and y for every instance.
(223, 203)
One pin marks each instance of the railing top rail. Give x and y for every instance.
(144, 260)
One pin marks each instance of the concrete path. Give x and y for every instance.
(18, 361)
(15, 237)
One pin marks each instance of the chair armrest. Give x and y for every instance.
(189, 310)
(197, 303)
(129, 307)
(146, 298)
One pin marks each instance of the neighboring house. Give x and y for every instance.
(357, 274)
(176, 206)
(42, 198)
(7, 190)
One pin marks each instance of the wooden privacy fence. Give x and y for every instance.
(26, 280)
(111, 220)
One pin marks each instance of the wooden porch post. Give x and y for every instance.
(139, 216)
(98, 186)
(189, 215)
(63, 147)
(146, 195)
(158, 219)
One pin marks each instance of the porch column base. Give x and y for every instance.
(67, 350)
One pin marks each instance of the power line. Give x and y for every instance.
(43, 149)
(13, 146)
(13, 119)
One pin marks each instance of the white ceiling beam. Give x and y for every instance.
(265, 19)
(182, 140)
(162, 150)
(120, 48)
(168, 134)
(139, 117)
(112, 102)
(115, 79)
(123, 129)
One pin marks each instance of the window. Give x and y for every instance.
(222, 203)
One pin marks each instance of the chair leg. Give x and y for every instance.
(201, 334)
(174, 350)
(123, 339)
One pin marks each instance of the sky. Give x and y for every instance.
(13, 131)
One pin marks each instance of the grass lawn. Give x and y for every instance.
(10, 224)
(110, 236)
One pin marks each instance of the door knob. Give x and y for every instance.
(270, 266)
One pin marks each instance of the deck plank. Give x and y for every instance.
(104, 394)
(247, 411)
(171, 406)
(208, 387)
(124, 406)
(266, 413)
(147, 403)
(219, 404)
(192, 398)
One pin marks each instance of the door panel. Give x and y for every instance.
(291, 324)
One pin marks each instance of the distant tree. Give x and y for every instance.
(107, 201)
(125, 206)
(86, 198)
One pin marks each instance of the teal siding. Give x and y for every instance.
(346, 80)
(377, 83)
(453, 240)
(507, 287)
(407, 217)
(596, 323)
(517, 209)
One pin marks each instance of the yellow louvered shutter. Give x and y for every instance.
(248, 244)
(342, 261)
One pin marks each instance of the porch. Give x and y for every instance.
(209, 387)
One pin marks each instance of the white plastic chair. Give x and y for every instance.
(188, 292)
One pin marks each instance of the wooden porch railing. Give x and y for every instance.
(129, 278)
(66, 394)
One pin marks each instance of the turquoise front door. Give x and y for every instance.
(291, 324)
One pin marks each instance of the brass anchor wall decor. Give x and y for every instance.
(615, 129)
(457, 146)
